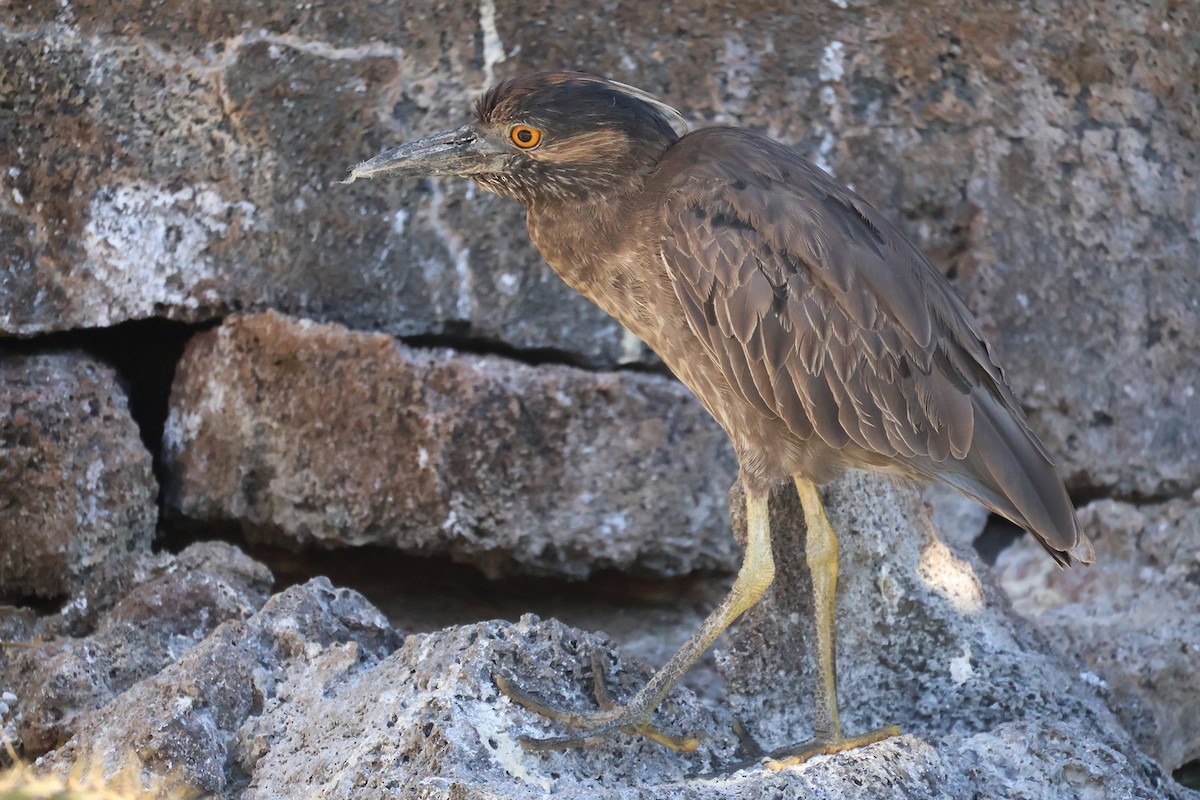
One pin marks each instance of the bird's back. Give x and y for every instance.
(827, 322)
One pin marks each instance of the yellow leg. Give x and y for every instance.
(821, 553)
(756, 574)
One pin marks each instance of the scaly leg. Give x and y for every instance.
(821, 552)
(756, 574)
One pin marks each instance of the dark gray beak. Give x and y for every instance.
(458, 152)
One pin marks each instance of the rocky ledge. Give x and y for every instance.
(313, 693)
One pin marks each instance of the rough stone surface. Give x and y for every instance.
(197, 175)
(443, 731)
(178, 159)
(311, 698)
(429, 721)
(927, 640)
(648, 617)
(1046, 157)
(187, 717)
(1132, 617)
(76, 487)
(310, 434)
(116, 631)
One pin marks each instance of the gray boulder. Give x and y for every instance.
(125, 625)
(184, 721)
(1131, 619)
(311, 697)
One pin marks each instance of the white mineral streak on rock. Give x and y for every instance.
(148, 247)
(493, 49)
(458, 251)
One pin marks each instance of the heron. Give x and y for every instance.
(811, 329)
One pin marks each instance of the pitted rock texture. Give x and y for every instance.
(926, 640)
(76, 486)
(119, 629)
(315, 697)
(311, 434)
(1132, 617)
(180, 159)
(187, 718)
(430, 722)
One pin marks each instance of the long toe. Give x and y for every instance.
(594, 727)
(595, 735)
(574, 719)
(798, 754)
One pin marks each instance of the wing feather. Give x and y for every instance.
(791, 341)
(818, 312)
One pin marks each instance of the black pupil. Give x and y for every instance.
(525, 135)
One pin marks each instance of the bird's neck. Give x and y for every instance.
(593, 245)
(578, 238)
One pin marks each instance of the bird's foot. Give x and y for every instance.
(785, 757)
(594, 726)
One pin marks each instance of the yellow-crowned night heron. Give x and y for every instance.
(816, 334)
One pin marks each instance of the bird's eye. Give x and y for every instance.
(525, 137)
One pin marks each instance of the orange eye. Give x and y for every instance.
(525, 137)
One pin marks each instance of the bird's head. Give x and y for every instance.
(546, 135)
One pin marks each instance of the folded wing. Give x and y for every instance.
(821, 314)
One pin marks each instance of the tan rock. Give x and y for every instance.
(309, 434)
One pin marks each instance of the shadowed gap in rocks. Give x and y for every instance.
(145, 353)
(997, 535)
(464, 341)
(1188, 775)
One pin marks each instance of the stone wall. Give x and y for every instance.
(179, 161)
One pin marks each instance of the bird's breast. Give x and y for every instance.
(608, 264)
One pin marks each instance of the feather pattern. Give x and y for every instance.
(821, 315)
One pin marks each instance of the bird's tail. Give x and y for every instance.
(1009, 471)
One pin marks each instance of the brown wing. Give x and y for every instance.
(821, 314)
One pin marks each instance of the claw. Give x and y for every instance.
(680, 744)
(750, 745)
